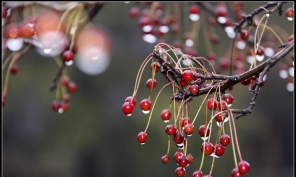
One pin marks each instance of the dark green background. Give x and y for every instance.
(95, 139)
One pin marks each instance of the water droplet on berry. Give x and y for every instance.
(147, 28)
(14, 44)
(146, 112)
(69, 63)
(231, 35)
(180, 145)
(259, 57)
(219, 124)
(250, 59)
(194, 17)
(149, 38)
(204, 138)
(214, 155)
(128, 115)
(166, 121)
(290, 18)
(164, 29)
(60, 110)
(221, 20)
(73, 30)
(267, 15)
(226, 119)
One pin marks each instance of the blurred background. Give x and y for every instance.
(95, 139)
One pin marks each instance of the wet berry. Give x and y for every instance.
(197, 173)
(166, 115)
(72, 87)
(194, 89)
(183, 161)
(14, 69)
(145, 104)
(68, 55)
(244, 167)
(142, 137)
(187, 75)
(165, 159)
(235, 173)
(177, 155)
(180, 172)
(202, 130)
(207, 148)
(131, 100)
(211, 103)
(151, 83)
(171, 129)
(244, 35)
(127, 108)
(219, 150)
(225, 140)
(228, 98)
(188, 129)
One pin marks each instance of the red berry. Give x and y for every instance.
(224, 63)
(127, 108)
(145, 105)
(65, 80)
(188, 129)
(56, 105)
(66, 98)
(180, 172)
(166, 115)
(214, 38)
(194, 9)
(65, 106)
(221, 11)
(225, 140)
(151, 83)
(185, 121)
(222, 105)
(72, 87)
(197, 173)
(171, 129)
(220, 116)
(290, 12)
(134, 12)
(190, 158)
(219, 150)
(260, 51)
(4, 12)
(228, 98)
(235, 173)
(194, 89)
(14, 69)
(155, 66)
(175, 29)
(202, 130)
(27, 30)
(291, 38)
(244, 35)
(211, 56)
(207, 148)
(144, 21)
(13, 31)
(188, 75)
(68, 55)
(178, 138)
(131, 100)
(211, 104)
(142, 137)
(183, 161)
(165, 159)
(177, 155)
(183, 82)
(246, 81)
(244, 167)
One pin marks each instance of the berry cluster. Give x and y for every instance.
(191, 75)
(52, 33)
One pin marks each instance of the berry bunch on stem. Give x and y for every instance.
(191, 76)
(53, 31)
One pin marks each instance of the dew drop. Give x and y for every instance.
(142, 143)
(290, 18)
(73, 30)
(128, 115)
(229, 105)
(180, 145)
(146, 112)
(147, 28)
(14, 44)
(250, 59)
(267, 15)
(204, 138)
(166, 121)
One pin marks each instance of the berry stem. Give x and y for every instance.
(235, 136)
(232, 144)
(76, 23)
(154, 105)
(169, 144)
(212, 166)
